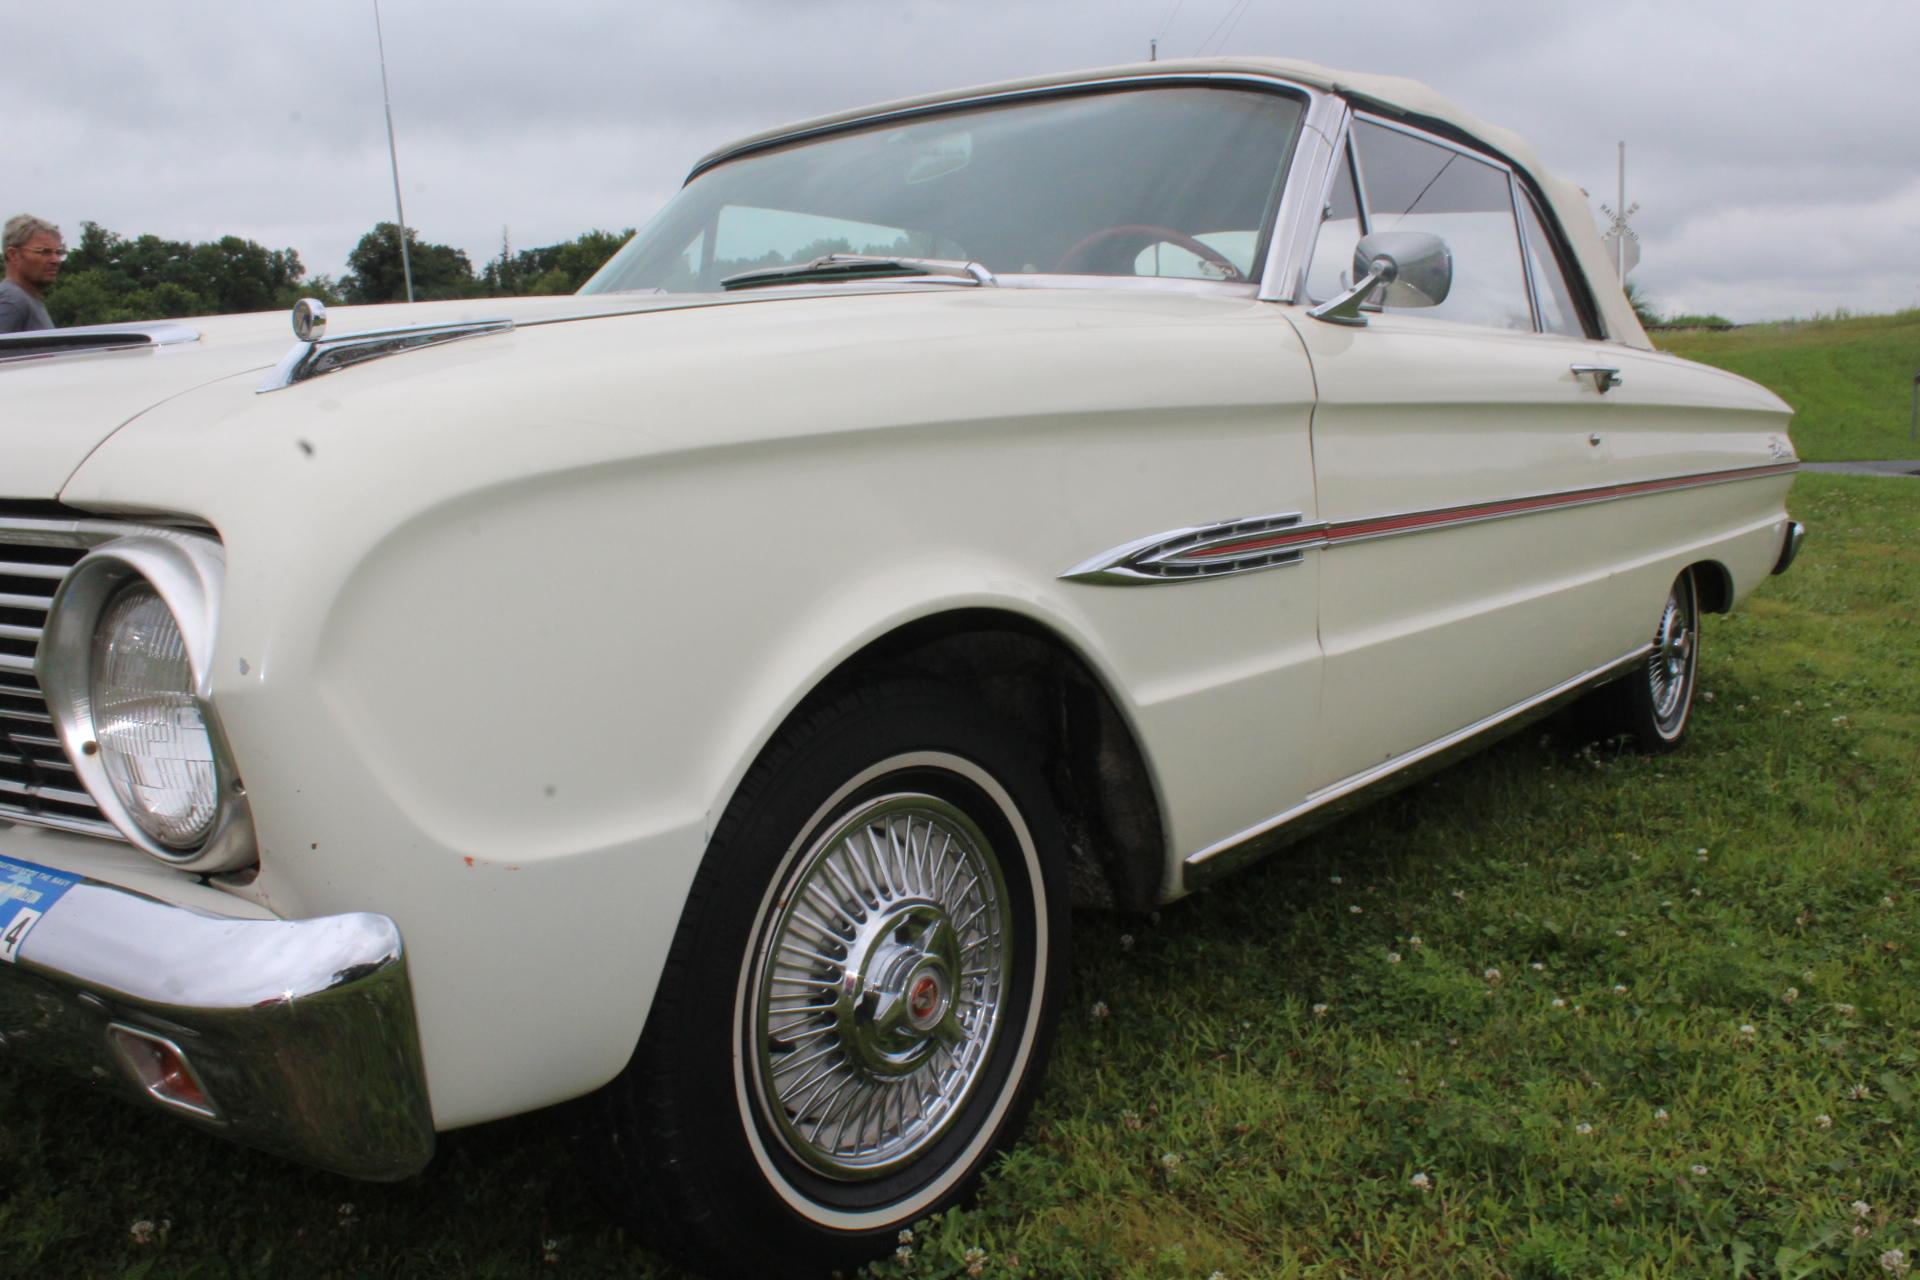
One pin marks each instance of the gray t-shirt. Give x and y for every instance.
(20, 310)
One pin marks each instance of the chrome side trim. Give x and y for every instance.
(1338, 799)
(38, 344)
(324, 355)
(1284, 540)
(303, 1030)
(1204, 551)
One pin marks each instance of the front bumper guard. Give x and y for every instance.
(299, 1033)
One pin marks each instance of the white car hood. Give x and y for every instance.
(60, 408)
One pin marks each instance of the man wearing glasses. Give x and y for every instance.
(34, 254)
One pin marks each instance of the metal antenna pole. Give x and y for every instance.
(393, 153)
(1153, 49)
(1620, 240)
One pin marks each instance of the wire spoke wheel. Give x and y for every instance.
(1671, 664)
(880, 986)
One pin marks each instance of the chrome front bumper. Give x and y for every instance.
(298, 1035)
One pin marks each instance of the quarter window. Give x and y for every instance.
(1557, 312)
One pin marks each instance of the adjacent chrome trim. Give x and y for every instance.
(187, 571)
(304, 1030)
(324, 355)
(1203, 551)
(39, 344)
(1338, 799)
(1283, 541)
(836, 267)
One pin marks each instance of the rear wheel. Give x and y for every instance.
(1653, 705)
(859, 999)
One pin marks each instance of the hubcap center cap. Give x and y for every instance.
(926, 999)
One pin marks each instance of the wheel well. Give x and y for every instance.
(1037, 683)
(1714, 585)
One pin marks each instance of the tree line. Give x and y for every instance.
(108, 278)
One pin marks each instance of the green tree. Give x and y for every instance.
(375, 274)
(554, 268)
(109, 278)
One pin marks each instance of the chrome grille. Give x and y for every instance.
(37, 782)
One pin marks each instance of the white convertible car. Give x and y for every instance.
(712, 689)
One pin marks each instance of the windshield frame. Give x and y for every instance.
(1275, 247)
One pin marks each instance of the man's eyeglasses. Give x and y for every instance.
(46, 253)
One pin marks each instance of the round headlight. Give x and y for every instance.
(153, 744)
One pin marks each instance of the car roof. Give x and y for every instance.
(1393, 95)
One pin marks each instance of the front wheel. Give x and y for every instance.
(1652, 706)
(859, 999)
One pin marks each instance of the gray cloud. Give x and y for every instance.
(1770, 146)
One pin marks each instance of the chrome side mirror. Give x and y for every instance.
(1416, 269)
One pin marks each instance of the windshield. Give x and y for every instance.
(1174, 182)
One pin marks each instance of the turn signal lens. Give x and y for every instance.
(153, 744)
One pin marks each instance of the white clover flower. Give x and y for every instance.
(1583, 1128)
(1746, 1029)
(1789, 995)
(1860, 1093)
(1538, 967)
(1414, 942)
(1619, 988)
(141, 1232)
(1659, 1115)
(1619, 933)
(1894, 1262)
(1320, 1011)
(1335, 880)
(1860, 1231)
(550, 1251)
(1459, 895)
(1216, 1275)
(976, 1260)
(1559, 1003)
(1844, 1010)
(1420, 1182)
(1699, 1171)
(1823, 1121)
(905, 1236)
(1126, 942)
(1170, 1160)
(903, 1255)
(1861, 1209)
(1695, 892)
(1706, 695)
(1393, 957)
(1354, 910)
(1886, 900)
(1099, 1010)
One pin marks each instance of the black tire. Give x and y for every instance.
(1652, 706)
(934, 987)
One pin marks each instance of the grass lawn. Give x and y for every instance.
(1849, 380)
(1555, 1013)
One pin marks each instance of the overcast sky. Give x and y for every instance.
(1774, 147)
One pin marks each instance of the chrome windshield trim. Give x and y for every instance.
(39, 344)
(1001, 98)
(1304, 198)
(325, 355)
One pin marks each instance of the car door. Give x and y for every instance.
(1457, 457)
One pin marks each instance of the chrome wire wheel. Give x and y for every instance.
(879, 990)
(1675, 655)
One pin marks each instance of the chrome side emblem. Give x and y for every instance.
(1204, 551)
(309, 319)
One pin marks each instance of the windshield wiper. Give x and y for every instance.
(860, 266)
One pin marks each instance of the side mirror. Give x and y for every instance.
(1416, 269)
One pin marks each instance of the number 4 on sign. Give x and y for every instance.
(17, 933)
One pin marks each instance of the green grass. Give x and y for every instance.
(1202, 1115)
(1848, 378)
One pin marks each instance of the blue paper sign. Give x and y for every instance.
(27, 892)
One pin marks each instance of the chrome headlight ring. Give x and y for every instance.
(186, 572)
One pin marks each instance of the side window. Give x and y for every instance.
(1331, 270)
(1557, 311)
(1415, 185)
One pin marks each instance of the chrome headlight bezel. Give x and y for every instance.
(186, 571)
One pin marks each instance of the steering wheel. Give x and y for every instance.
(1071, 260)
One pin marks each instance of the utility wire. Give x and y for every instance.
(1229, 13)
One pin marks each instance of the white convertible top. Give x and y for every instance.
(1391, 94)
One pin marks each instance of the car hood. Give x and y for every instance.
(60, 407)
